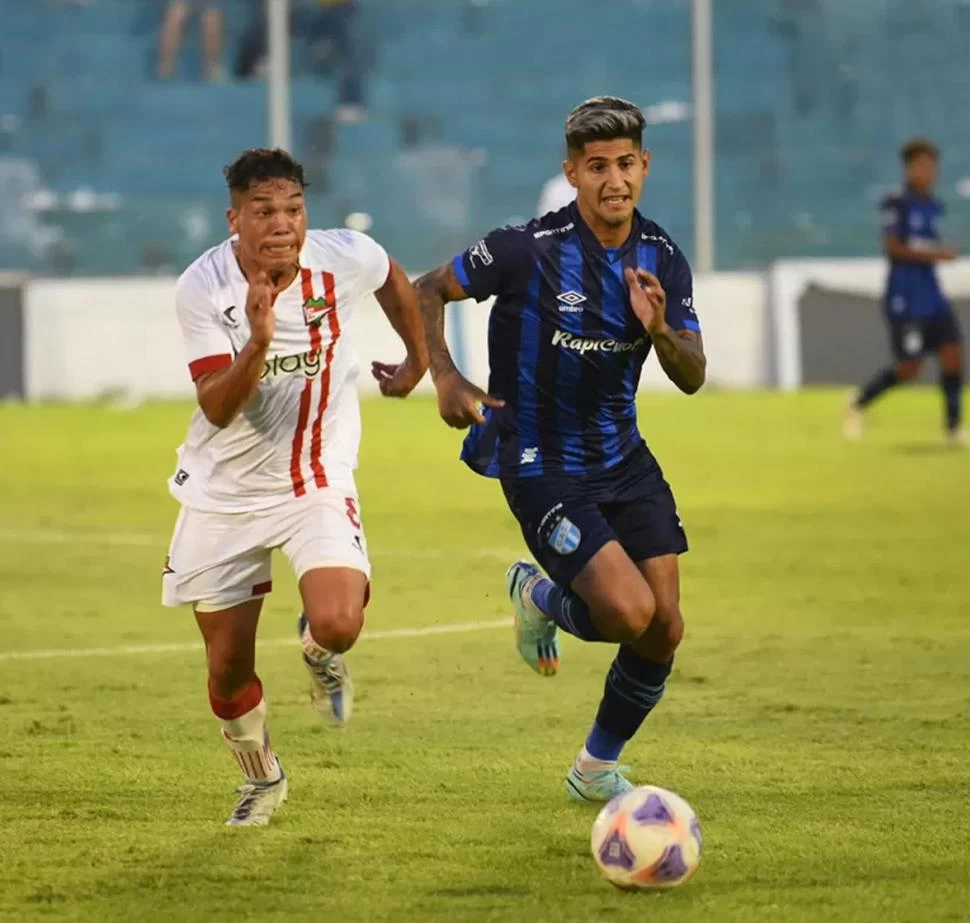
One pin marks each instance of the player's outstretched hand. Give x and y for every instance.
(459, 400)
(259, 310)
(647, 298)
(397, 380)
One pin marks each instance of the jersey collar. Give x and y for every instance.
(591, 243)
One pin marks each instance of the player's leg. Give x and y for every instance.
(173, 25)
(593, 590)
(951, 377)
(214, 566)
(907, 345)
(651, 532)
(236, 698)
(333, 616)
(212, 32)
(326, 547)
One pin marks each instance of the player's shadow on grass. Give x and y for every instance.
(922, 448)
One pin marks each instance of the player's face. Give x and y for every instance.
(608, 176)
(921, 173)
(270, 219)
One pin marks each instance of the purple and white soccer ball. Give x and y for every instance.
(647, 838)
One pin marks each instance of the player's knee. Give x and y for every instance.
(336, 627)
(669, 628)
(661, 640)
(629, 616)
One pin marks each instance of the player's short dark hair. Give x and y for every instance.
(918, 147)
(261, 164)
(604, 118)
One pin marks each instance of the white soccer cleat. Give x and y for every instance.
(331, 688)
(257, 802)
(957, 438)
(854, 423)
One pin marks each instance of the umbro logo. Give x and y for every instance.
(228, 318)
(570, 302)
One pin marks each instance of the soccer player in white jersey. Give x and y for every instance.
(270, 453)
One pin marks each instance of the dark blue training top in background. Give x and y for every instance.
(565, 348)
(913, 292)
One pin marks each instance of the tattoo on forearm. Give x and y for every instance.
(430, 288)
(681, 356)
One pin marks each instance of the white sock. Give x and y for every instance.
(248, 740)
(586, 763)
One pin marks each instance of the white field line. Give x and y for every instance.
(129, 650)
(157, 540)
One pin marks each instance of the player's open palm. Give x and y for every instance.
(647, 298)
(460, 401)
(259, 309)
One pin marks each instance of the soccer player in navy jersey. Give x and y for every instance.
(920, 318)
(581, 296)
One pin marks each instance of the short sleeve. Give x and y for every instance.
(893, 218)
(207, 346)
(497, 264)
(678, 285)
(375, 264)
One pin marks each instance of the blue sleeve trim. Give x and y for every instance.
(458, 265)
(691, 325)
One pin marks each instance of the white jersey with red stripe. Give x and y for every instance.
(300, 431)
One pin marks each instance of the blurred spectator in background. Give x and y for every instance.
(330, 28)
(177, 14)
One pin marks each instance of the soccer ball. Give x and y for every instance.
(647, 838)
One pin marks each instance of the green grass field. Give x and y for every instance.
(817, 718)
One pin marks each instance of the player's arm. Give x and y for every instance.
(399, 302)
(223, 384)
(679, 348)
(493, 265)
(681, 355)
(896, 249)
(894, 234)
(435, 290)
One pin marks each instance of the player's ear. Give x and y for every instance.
(569, 171)
(645, 155)
(232, 216)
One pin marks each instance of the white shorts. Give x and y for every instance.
(218, 560)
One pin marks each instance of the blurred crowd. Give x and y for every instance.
(328, 27)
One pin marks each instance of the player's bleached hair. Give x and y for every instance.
(260, 164)
(917, 147)
(604, 118)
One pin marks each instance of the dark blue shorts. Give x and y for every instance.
(915, 339)
(566, 519)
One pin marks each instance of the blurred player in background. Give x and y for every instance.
(582, 294)
(920, 318)
(270, 454)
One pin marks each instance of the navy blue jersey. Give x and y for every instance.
(565, 348)
(913, 290)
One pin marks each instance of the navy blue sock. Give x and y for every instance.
(634, 686)
(881, 382)
(603, 744)
(566, 609)
(952, 383)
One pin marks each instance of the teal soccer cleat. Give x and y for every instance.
(535, 633)
(597, 786)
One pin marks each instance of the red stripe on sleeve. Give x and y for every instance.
(209, 364)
